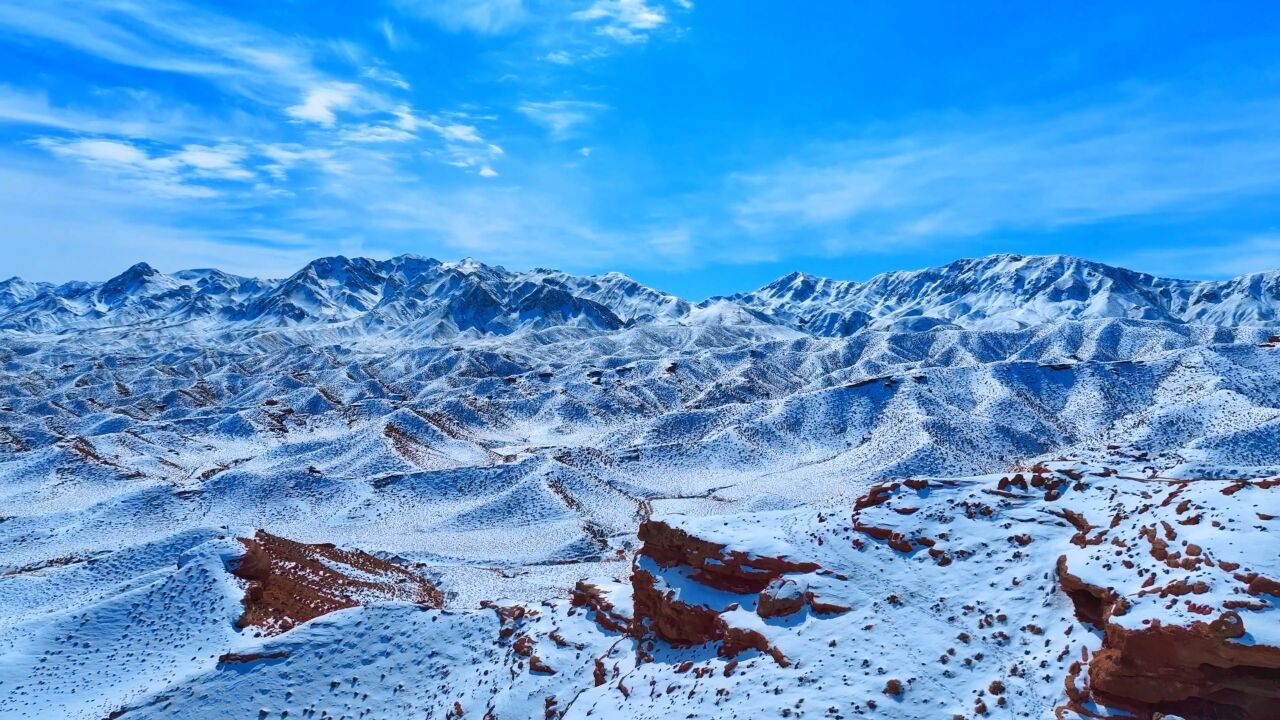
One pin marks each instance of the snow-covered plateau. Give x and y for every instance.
(1013, 486)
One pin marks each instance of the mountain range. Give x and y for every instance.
(413, 295)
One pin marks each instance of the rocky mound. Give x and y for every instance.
(288, 582)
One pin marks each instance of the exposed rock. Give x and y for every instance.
(289, 582)
(1093, 605)
(229, 658)
(1197, 671)
(732, 571)
(678, 623)
(783, 596)
(588, 596)
(1194, 670)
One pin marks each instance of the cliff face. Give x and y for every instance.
(1204, 669)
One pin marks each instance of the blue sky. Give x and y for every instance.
(702, 147)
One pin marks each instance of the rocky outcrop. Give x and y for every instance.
(785, 596)
(1093, 605)
(678, 623)
(1197, 671)
(661, 614)
(288, 582)
(714, 565)
(589, 597)
(683, 624)
(230, 658)
(782, 597)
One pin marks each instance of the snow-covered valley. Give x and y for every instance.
(1012, 486)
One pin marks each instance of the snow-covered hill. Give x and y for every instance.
(555, 459)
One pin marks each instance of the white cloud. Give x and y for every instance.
(627, 21)
(278, 71)
(484, 17)
(376, 134)
(171, 175)
(221, 162)
(170, 37)
(487, 172)
(1014, 172)
(464, 146)
(320, 101)
(157, 176)
(561, 117)
(390, 34)
(95, 228)
(674, 244)
(386, 76)
(23, 107)
(459, 133)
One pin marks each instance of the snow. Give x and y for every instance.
(510, 430)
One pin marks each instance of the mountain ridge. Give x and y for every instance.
(442, 299)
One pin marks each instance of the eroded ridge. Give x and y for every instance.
(288, 582)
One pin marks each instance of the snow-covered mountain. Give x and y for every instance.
(414, 295)
(1012, 291)
(1030, 486)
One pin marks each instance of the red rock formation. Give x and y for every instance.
(290, 582)
(1196, 671)
(1093, 605)
(893, 538)
(732, 571)
(537, 666)
(681, 624)
(877, 495)
(785, 597)
(588, 596)
(781, 597)
(678, 623)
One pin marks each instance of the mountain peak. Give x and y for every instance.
(140, 270)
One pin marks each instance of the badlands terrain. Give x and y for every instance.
(1022, 487)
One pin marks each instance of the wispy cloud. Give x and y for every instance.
(627, 21)
(242, 59)
(376, 134)
(485, 17)
(386, 76)
(170, 37)
(95, 226)
(284, 157)
(561, 117)
(168, 174)
(968, 176)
